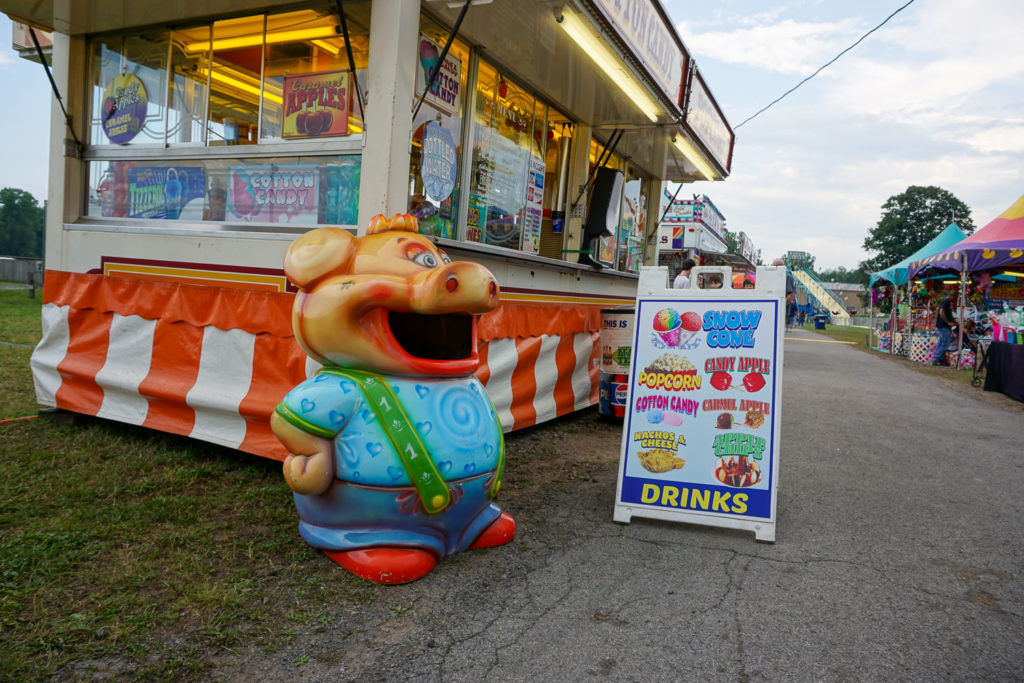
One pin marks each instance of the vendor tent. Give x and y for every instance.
(1000, 243)
(897, 273)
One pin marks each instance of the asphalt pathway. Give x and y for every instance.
(899, 553)
(899, 556)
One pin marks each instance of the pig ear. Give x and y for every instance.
(320, 252)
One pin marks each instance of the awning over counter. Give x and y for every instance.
(645, 83)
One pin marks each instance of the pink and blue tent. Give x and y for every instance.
(897, 273)
(998, 244)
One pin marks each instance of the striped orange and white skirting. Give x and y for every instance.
(211, 362)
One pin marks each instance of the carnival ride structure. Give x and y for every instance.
(821, 299)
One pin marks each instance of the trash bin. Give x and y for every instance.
(616, 352)
(819, 321)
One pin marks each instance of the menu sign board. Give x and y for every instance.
(700, 437)
(707, 122)
(643, 29)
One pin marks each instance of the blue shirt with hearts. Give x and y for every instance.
(454, 418)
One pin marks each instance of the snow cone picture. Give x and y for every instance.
(668, 325)
(675, 330)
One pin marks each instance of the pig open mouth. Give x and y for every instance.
(434, 337)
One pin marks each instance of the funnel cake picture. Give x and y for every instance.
(673, 329)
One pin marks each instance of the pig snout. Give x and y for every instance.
(458, 287)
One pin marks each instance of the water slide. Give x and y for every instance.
(821, 297)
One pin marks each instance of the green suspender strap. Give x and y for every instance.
(430, 486)
(499, 468)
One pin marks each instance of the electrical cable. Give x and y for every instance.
(859, 40)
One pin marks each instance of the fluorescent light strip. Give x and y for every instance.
(582, 32)
(694, 156)
(255, 40)
(242, 85)
(326, 47)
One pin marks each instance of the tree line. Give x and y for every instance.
(908, 222)
(22, 222)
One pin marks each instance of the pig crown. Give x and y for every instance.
(400, 221)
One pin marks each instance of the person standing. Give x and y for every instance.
(943, 324)
(682, 280)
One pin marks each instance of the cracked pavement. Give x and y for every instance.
(898, 556)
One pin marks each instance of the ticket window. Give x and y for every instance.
(516, 160)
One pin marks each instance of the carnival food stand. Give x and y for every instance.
(532, 138)
(992, 260)
(912, 333)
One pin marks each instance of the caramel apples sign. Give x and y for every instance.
(316, 105)
(700, 436)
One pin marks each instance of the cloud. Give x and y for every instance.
(6, 59)
(935, 97)
(786, 46)
(1008, 138)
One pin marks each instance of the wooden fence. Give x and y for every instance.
(21, 270)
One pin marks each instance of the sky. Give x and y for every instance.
(24, 120)
(934, 97)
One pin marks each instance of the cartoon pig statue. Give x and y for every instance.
(396, 450)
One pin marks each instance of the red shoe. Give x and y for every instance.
(501, 531)
(386, 565)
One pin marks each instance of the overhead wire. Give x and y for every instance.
(824, 66)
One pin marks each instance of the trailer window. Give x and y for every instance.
(238, 191)
(308, 91)
(436, 154)
(129, 84)
(236, 81)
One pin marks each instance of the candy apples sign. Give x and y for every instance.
(701, 431)
(315, 105)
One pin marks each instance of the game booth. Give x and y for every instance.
(531, 138)
(990, 267)
(908, 327)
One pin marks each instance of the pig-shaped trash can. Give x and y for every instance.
(396, 450)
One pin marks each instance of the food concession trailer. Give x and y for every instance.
(532, 137)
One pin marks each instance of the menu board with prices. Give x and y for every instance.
(700, 440)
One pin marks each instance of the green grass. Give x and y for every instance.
(124, 544)
(20, 330)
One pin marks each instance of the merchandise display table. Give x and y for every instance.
(1006, 369)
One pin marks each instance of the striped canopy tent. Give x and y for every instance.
(897, 273)
(998, 244)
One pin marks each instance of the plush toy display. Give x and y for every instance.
(397, 451)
